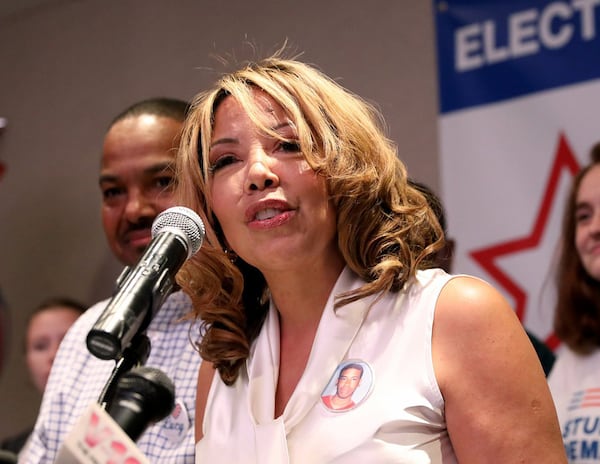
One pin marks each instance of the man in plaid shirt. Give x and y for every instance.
(136, 183)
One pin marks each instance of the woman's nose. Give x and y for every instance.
(595, 223)
(261, 176)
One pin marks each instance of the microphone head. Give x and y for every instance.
(183, 222)
(143, 396)
(8, 457)
(154, 387)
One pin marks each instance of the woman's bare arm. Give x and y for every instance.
(497, 403)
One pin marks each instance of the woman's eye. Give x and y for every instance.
(164, 181)
(40, 346)
(581, 216)
(221, 162)
(292, 147)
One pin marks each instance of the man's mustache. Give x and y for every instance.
(142, 224)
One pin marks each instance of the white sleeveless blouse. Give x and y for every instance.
(399, 411)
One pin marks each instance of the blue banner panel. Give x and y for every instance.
(489, 51)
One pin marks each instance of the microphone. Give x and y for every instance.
(177, 234)
(8, 457)
(143, 396)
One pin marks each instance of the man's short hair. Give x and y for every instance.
(356, 366)
(159, 106)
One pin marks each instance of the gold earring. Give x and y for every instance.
(231, 255)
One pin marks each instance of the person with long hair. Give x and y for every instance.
(575, 377)
(315, 258)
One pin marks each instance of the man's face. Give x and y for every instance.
(348, 382)
(136, 181)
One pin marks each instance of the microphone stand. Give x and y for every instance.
(136, 354)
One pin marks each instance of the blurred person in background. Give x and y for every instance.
(45, 329)
(575, 378)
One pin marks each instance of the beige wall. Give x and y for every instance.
(67, 67)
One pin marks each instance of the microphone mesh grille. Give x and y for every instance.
(184, 222)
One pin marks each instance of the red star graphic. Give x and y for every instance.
(486, 257)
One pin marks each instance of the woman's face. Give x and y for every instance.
(587, 222)
(44, 334)
(274, 210)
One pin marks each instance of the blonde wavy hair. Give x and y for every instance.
(386, 230)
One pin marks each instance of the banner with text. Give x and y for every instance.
(519, 90)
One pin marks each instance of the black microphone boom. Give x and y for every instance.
(134, 355)
(177, 234)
